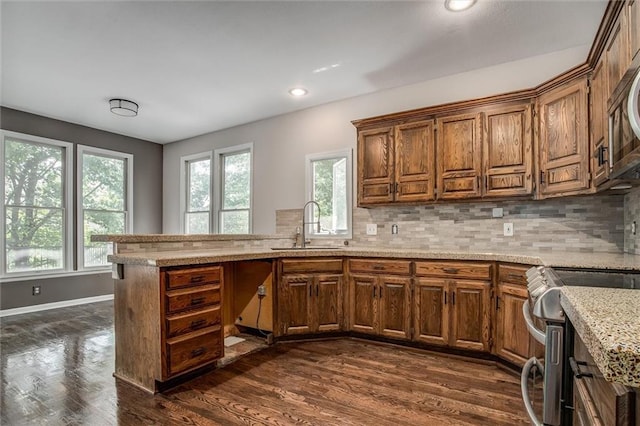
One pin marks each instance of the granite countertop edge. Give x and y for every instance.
(607, 321)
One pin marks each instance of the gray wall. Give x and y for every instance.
(281, 143)
(147, 202)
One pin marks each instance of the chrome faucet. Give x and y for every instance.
(305, 223)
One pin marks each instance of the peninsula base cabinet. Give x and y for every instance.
(167, 321)
(380, 301)
(310, 296)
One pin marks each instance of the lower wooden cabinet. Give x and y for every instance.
(513, 341)
(452, 313)
(308, 301)
(380, 303)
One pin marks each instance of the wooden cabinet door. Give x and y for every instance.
(599, 123)
(617, 53)
(507, 151)
(376, 166)
(295, 303)
(415, 162)
(363, 303)
(633, 24)
(458, 149)
(564, 141)
(470, 302)
(431, 311)
(394, 295)
(513, 342)
(327, 303)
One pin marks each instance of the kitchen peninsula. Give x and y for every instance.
(177, 296)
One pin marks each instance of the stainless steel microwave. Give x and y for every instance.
(624, 129)
(633, 105)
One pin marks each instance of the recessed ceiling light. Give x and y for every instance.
(458, 5)
(298, 91)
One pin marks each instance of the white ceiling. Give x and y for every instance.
(197, 67)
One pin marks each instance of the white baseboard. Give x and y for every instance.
(54, 305)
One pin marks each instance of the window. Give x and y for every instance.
(329, 184)
(37, 223)
(104, 201)
(196, 170)
(233, 194)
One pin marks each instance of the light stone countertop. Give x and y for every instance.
(608, 321)
(611, 261)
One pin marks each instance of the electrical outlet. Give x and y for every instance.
(634, 228)
(394, 229)
(262, 290)
(35, 290)
(372, 229)
(508, 230)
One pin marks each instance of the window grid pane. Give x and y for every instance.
(329, 190)
(199, 185)
(234, 221)
(236, 188)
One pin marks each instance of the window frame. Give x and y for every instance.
(128, 212)
(218, 156)
(309, 159)
(67, 203)
(184, 191)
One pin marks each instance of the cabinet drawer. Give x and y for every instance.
(311, 266)
(472, 270)
(193, 276)
(192, 321)
(194, 350)
(191, 298)
(401, 267)
(513, 274)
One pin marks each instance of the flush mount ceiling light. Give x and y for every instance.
(298, 91)
(458, 5)
(123, 107)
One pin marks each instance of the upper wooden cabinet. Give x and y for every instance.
(396, 164)
(633, 24)
(600, 164)
(415, 172)
(459, 156)
(563, 140)
(617, 52)
(376, 166)
(508, 150)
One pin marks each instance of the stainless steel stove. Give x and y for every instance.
(544, 303)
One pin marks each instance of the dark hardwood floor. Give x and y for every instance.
(57, 369)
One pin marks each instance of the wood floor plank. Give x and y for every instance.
(56, 368)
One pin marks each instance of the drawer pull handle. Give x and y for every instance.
(197, 301)
(374, 292)
(378, 267)
(197, 279)
(199, 323)
(575, 366)
(451, 270)
(198, 352)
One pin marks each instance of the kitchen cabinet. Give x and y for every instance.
(167, 322)
(380, 297)
(396, 164)
(508, 150)
(512, 339)
(596, 400)
(452, 306)
(633, 25)
(310, 296)
(459, 154)
(599, 124)
(564, 140)
(617, 52)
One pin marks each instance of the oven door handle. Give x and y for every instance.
(524, 379)
(537, 334)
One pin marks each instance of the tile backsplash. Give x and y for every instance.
(588, 224)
